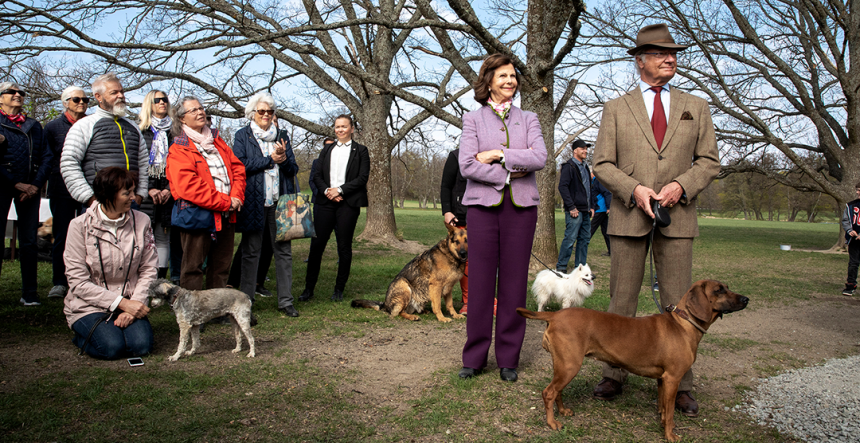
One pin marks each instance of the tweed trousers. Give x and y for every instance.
(673, 260)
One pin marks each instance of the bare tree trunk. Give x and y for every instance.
(380, 226)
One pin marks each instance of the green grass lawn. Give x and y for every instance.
(58, 396)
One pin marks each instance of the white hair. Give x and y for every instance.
(263, 97)
(99, 83)
(6, 85)
(67, 93)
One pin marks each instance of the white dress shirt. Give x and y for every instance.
(337, 168)
(648, 97)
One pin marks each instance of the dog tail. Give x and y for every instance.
(545, 316)
(367, 304)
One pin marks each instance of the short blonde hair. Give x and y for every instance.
(251, 107)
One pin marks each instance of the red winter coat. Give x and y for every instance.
(190, 179)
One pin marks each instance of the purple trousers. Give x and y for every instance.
(500, 243)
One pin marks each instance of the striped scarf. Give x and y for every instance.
(206, 146)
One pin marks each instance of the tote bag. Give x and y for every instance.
(294, 219)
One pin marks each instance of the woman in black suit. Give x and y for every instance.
(343, 169)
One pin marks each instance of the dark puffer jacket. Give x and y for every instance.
(248, 151)
(24, 155)
(157, 212)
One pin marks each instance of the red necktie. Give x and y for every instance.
(658, 118)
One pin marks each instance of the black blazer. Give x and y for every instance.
(357, 173)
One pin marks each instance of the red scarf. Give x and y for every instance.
(71, 119)
(18, 119)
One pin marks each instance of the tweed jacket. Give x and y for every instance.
(520, 137)
(627, 155)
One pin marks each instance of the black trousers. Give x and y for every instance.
(853, 260)
(601, 219)
(266, 255)
(63, 209)
(340, 218)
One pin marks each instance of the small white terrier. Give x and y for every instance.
(569, 289)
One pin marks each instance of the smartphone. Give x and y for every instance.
(135, 361)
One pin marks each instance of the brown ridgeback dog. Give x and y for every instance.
(659, 346)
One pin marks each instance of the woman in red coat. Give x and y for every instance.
(203, 170)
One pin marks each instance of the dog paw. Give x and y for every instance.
(457, 316)
(554, 425)
(236, 351)
(189, 352)
(565, 412)
(444, 319)
(173, 357)
(251, 354)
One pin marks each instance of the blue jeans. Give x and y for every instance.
(575, 230)
(110, 342)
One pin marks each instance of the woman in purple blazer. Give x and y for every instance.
(500, 149)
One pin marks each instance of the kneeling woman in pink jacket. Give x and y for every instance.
(111, 261)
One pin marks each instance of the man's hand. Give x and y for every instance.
(592, 213)
(643, 196)
(670, 194)
(574, 213)
(853, 234)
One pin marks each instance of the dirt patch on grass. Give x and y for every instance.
(392, 367)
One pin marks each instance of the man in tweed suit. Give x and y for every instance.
(655, 143)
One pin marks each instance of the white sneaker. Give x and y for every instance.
(58, 291)
(30, 303)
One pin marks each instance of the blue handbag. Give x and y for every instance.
(188, 216)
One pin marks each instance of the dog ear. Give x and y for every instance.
(172, 291)
(698, 303)
(449, 227)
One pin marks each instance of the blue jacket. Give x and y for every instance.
(24, 155)
(247, 150)
(55, 136)
(597, 190)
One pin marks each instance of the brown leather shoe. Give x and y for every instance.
(607, 389)
(685, 403)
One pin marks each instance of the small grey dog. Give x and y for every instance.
(194, 308)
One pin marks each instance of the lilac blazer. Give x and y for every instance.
(483, 130)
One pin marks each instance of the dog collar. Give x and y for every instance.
(681, 313)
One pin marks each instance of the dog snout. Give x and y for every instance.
(464, 254)
(743, 300)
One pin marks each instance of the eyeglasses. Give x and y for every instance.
(13, 92)
(662, 55)
(265, 111)
(195, 110)
(77, 100)
(158, 100)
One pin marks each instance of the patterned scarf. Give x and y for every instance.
(205, 143)
(266, 139)
(158, 151)
(501, 109)
(18, 119)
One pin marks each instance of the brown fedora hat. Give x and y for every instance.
(657, 36)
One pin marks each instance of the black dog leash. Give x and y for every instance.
(661, 215)
(545, 266)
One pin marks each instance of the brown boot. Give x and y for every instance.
(607, 389)
(685, 403)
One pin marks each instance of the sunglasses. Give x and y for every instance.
(79, 99)
(158, 100)
(13, 92)
(266, 111)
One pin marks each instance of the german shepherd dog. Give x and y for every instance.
(428, 277)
